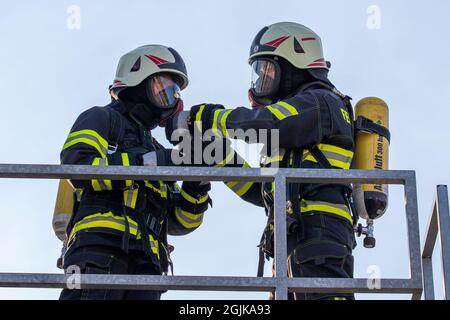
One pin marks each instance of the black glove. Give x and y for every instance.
(161, 157)
(178, 124)
(207, 113)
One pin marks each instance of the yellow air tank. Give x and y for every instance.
(63, 208)
(371, 153)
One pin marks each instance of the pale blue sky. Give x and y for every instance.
(49, 74)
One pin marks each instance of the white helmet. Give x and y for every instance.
(294, 42)
(140, 63)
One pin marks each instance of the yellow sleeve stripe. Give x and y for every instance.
(198, 117)
(102, 141)
(331, 148)
(87, 141)
(244, 189)
(193, 200)
(276, 113)
(223, 122)
(188, 220)
(214, 124)
(227, 160)
(289, 107)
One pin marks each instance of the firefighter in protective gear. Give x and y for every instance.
(121, 227)
(290, 92)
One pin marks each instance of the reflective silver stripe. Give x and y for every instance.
(220, 128)
(102, 218)
(102, 183)
(88, 136)
(189, 220)
(237, 186)
(336, 156)
(324, 203)
(283, 110)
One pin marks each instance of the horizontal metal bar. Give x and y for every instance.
(137, 282)
(83, 172)
(341, 285)
(207, 283)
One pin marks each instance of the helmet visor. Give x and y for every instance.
(163, 91)
(264, 77)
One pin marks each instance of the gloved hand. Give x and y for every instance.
(161, 157)
(177, 127)
(203, 113)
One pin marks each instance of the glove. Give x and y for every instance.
(177, 127)
(161, 157)
(207, 113)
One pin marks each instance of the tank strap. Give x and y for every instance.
(363, 124)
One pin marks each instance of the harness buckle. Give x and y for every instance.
(112, 149)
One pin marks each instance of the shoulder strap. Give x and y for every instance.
(117, 129)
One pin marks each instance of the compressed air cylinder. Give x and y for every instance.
(63, 208)
(371, 153)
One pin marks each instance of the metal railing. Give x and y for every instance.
(280, 283)
(439, 224)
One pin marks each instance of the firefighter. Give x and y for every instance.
(290, 92)
(121, 226)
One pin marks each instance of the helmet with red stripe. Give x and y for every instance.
(153, 76)
(284, 56)
(294, 42)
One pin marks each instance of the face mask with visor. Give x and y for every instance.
(266, 76)
(164, 94)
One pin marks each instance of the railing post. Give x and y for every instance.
(412, 220)
(427, 253)
(281, 291)
(444, 230)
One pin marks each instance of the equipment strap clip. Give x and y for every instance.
(366, 125)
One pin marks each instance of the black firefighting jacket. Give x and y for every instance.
(134, 215)
(317, 117)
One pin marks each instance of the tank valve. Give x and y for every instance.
(369, 240)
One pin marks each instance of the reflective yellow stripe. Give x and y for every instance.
(333, 162)
(193, 200)
(223, 122)
(187, 219)
(99, 185)
(104, 220)
(214, 124)
(229, 157)
(276, 113)
(130, 194)
(198, 117)
(244, 189)
(85, 141)
(102, 141)
(338, 157)
(338, 150)
(289, 107)
(154, 244)
(110, 221)
(162, 192)
(329, 208)
(126, 163)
